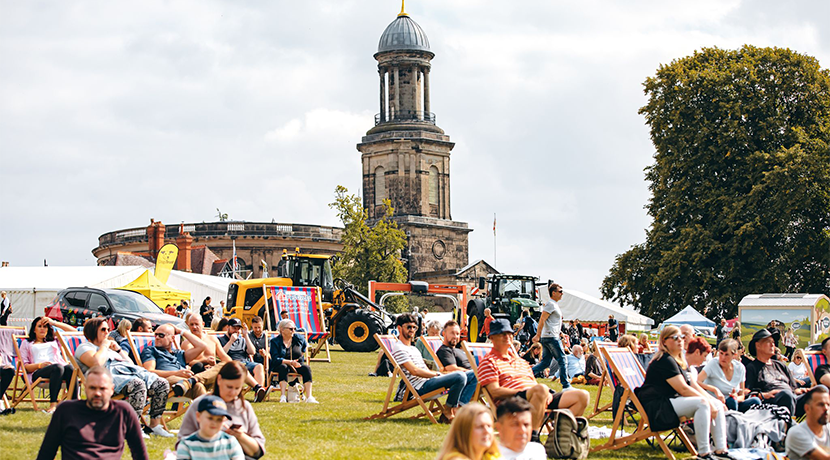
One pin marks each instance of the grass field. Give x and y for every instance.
(334, 429)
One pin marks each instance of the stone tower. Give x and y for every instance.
(406, 156)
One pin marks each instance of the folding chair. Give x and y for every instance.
(70, 341)
(29, 385)
(8, 358)
(814, 359)
(429, 404)
(605, 378)
(138, 342)
(628, 373)
(304, 309)
(476, 351)
(432, 344)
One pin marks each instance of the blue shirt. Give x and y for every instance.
(165, 360)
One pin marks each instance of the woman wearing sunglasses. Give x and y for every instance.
(667, 394)
(288, 356)
(137, 384)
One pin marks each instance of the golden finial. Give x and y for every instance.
(402, 13)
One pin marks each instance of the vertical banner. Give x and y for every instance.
(165, 261)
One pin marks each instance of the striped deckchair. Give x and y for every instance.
(304, 309)
(605, 379)
(429, 404)
(271, 373)
(475, 353)
(627, 372)
(178, 404)
(29, 385)
(8, 359)
(138, 342)
(432, 344)
(70, 341)
(813, 359)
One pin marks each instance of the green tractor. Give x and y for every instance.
(506, 296)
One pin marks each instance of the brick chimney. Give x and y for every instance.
(184, 242)
(155, 237)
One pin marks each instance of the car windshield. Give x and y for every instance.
(516, 288)
(133, 302)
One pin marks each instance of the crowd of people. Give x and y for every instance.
(685, 378)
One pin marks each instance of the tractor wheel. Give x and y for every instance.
(356, 331)
(475, 320)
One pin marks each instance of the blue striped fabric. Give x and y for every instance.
(628, 365)
(814, 360)
(479, 351)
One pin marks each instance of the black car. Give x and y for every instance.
(76, 304)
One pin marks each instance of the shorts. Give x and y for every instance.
(554, 403)
(251, 366)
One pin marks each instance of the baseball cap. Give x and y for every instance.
(234, 322)
(214, 405)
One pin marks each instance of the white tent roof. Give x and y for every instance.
(57, 278)
(578, 305)
(781, 300)
(691, 317)
(200, 286)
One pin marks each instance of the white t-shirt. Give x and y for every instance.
(532, 451)
(801, 440)
(42, 352)
(403, 354)
(553, 325)
(798, 370)
(716, 377)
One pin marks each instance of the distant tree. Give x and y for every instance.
(369, 253)
(740, 184)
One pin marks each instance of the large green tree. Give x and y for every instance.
(369, 252)
(740, 183)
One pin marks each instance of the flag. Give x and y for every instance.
(165, 261)
(494, 223)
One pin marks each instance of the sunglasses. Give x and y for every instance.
(678, 337)
(105, 329)
(160, 335)
(412, 326)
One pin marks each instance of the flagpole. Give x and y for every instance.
(495, 259)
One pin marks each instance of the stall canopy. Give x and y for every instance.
(581, 306)
(691, 317)
(160, 293)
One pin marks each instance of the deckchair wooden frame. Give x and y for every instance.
(321, 336)
(812, 360)
(429, 404)
(643, 429)
(430, 343)
(78, 377)
(29, 385)
(10, 332)
(179, 404)
(604, 378)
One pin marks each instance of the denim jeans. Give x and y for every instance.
(469, 388)
(742, 406)
(552, 349)
(454, 382)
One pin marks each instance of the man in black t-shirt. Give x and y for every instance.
(770, 377)
(613, 330)
(454, 359)
(822, 372)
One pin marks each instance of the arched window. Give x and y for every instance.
(433, 185)
(380, 185)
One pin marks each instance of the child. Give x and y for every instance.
(210, 442)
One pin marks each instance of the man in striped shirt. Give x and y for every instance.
(422, 378)
(504, 375)
(210, 442)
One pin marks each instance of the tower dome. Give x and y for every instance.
(403, 34)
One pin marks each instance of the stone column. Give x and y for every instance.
(426, 90)
(382, 73)
(416, 92)
(397, 94)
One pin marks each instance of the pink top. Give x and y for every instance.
(28, 356)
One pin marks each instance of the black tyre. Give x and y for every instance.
(475, 319)
(356, 331)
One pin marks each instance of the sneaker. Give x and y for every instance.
(567, 388)
(159, 430)
(145, 435)
(282, 399)
(706, 456)
(261, 393)
(312, 400)
(723, 455)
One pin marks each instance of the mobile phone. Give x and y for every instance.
(236, 426)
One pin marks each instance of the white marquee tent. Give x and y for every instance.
(30, 289)
(691, 317)
(578, 305)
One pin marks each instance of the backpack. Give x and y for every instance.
(568, 436)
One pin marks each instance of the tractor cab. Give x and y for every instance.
(506, 297)
(308, 270)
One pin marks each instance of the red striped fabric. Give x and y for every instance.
(302, 307)
(628, 365)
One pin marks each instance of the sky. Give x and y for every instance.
(113, 113)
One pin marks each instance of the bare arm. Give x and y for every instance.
(220, 352)
(713, 389)
(498, 392)
(195, 348)
(818, 454)
(542, 319)
(417, 371)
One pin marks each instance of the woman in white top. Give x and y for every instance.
(724, 378)
(799, 371)
(42, 357)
